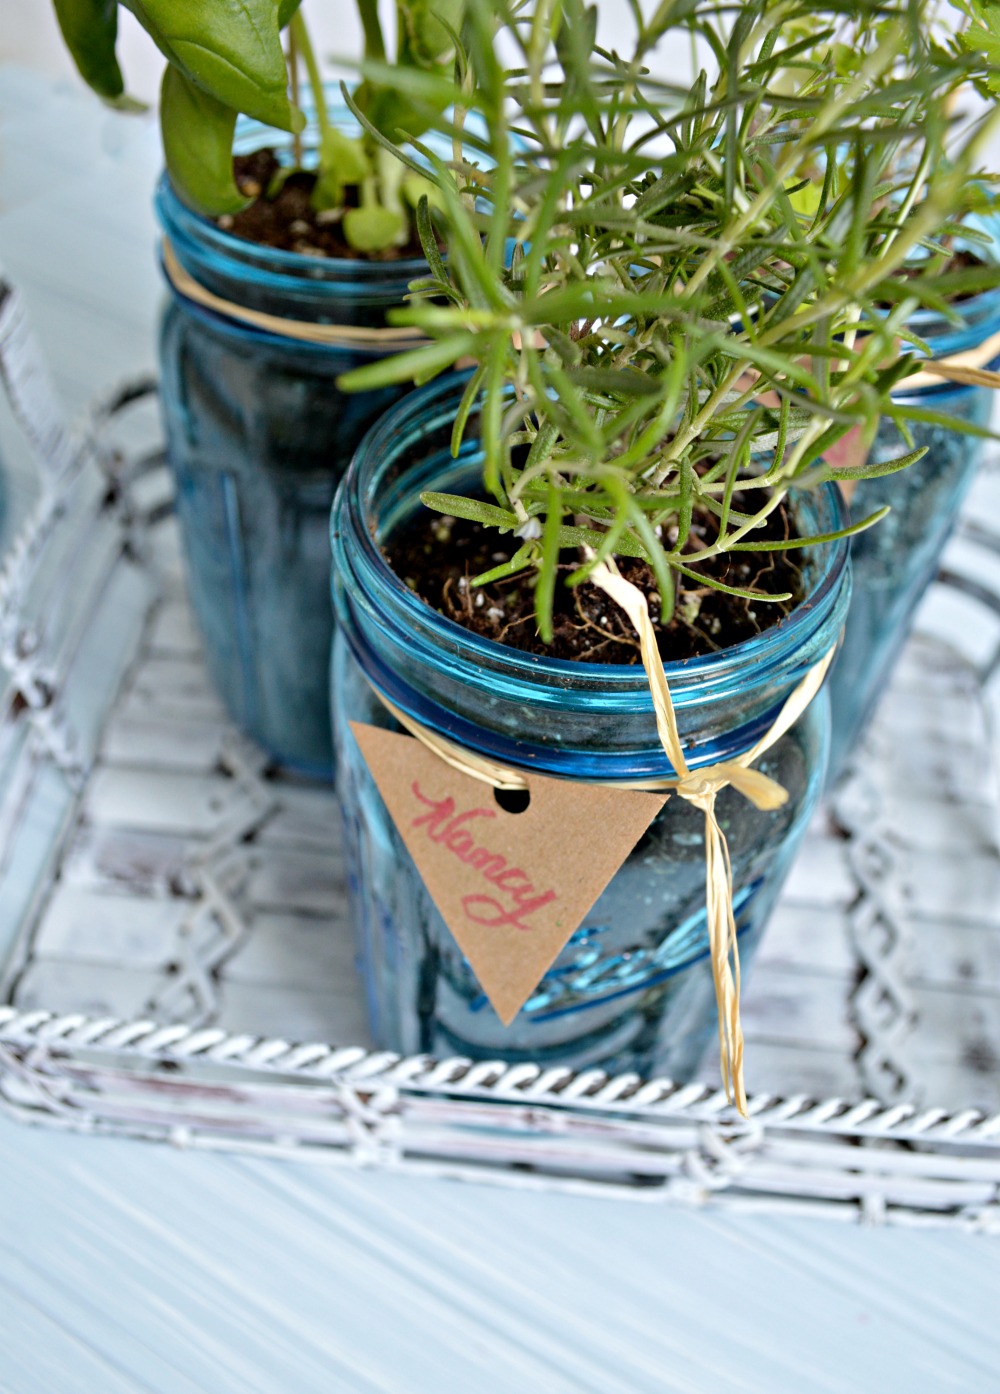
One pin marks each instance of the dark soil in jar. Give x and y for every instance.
(288, 222)
(438, 557)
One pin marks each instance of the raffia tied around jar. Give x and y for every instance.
(967, 368)
(698, 787)
(386, 340)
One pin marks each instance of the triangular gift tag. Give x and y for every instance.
(511, 887)
(848, 453)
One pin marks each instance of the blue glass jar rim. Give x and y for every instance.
(641, 764)
(979, 320)
(966, 309)
(375, 454)
(273, 266)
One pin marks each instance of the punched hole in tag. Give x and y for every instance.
(512, 800)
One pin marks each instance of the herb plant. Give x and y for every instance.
(226, 58)
(683, 296)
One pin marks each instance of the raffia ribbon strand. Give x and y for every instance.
(458, 757)
(699, 787)
(387, 339)
(968, 367)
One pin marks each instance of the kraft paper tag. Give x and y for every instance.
(849, 452)
(511, 887)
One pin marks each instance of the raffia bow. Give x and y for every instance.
(701, 787)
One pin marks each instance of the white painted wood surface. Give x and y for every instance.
(128, 1267)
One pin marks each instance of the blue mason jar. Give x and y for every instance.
(633, 988)
(894, 562)
(258, 437)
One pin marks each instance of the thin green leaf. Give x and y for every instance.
(428, 240)
(520, 561)
(715, 584)
(817, 539)
(876, 469)
(409, 366)
(474, 510)
(548, 563)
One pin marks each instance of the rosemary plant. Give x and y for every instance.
(681, 296)
(227, 59)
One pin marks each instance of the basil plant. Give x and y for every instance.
(231, 57)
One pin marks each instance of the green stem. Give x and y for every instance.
(293, 82)
(535, 54)
(717, 548)
(374, 41)
(389, 175)
(686, 434)
(299, 35)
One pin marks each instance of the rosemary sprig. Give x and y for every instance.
(703, 276)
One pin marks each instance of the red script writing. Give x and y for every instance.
(514, 897)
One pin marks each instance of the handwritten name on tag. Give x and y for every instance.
(511, 887)
(514, 897)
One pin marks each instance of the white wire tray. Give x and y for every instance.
(176, 964)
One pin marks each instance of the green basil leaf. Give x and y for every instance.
(198, 145)
(90, 30)
(229, 48)
(423, 39)
(374, 229)
(344, 157)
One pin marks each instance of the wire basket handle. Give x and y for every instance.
(29, 386)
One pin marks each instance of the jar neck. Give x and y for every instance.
(592, 721)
